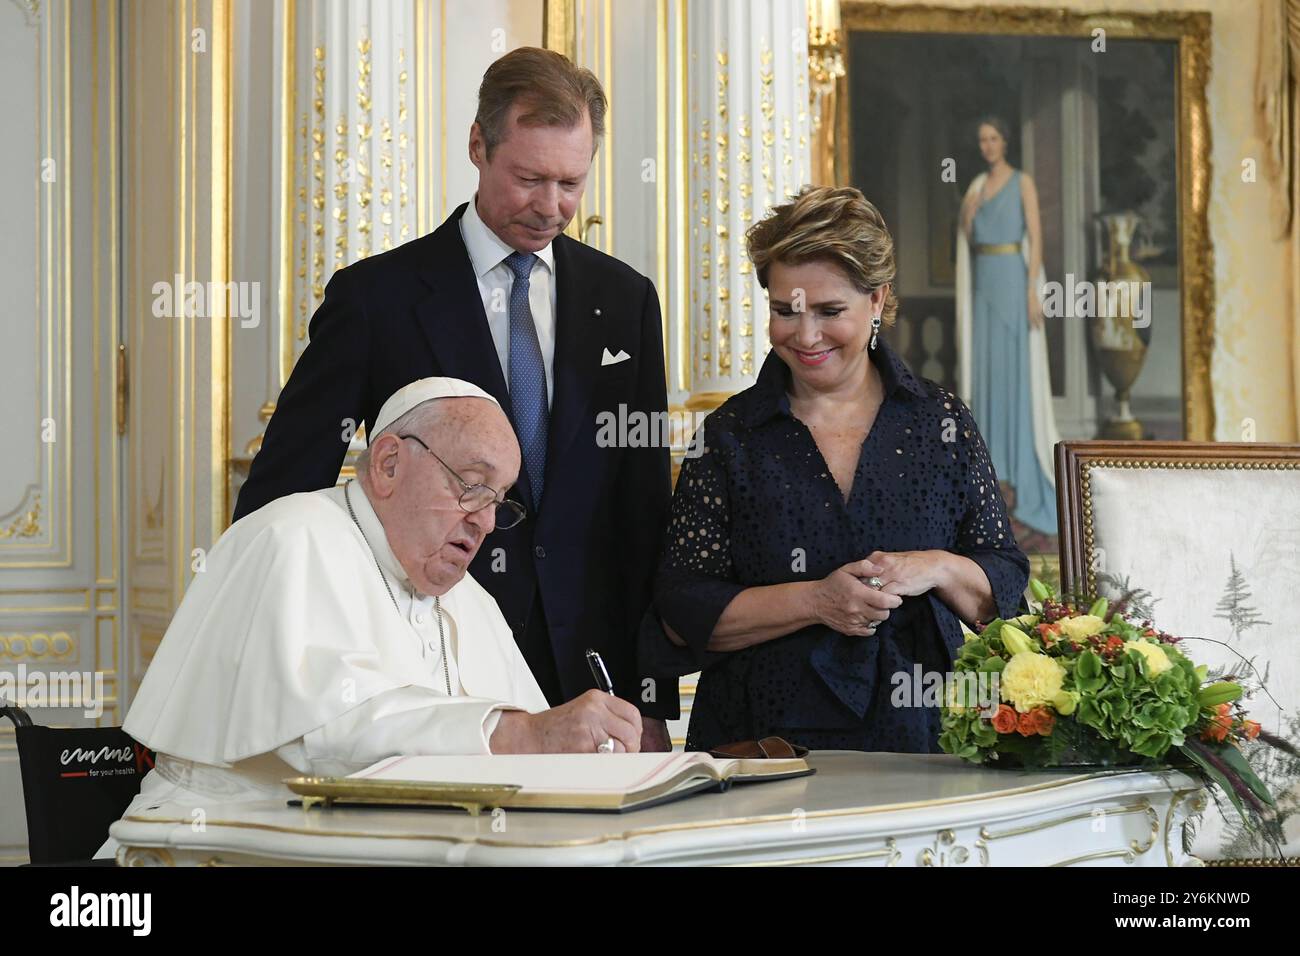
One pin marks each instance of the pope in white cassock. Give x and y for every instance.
(334, 628)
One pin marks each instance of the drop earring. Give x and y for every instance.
(875, 331)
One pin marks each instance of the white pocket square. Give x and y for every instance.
(608, 359)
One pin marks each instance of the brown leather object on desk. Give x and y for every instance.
(775, 748)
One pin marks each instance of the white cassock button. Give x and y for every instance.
(419, 619)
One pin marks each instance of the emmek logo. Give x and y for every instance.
(102, 909)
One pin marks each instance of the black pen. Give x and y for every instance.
(599, 672)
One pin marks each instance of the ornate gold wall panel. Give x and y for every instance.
(60, 574)
(60, 571)
(59, 531)
(36, 488)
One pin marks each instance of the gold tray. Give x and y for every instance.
(471, 797)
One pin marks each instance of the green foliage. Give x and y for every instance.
(1137, 701)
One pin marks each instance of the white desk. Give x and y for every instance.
(858, 809)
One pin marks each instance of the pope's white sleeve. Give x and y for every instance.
(405, 720)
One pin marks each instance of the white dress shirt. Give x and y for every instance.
(487, 254)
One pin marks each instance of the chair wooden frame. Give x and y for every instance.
(1076, 459)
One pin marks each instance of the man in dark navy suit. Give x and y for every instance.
(555, 330)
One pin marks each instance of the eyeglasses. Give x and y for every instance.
(477, 497)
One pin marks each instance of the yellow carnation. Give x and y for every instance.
(1081, 627)
(1157, 659)
(1031, 680)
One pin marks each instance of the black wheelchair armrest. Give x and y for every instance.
(15, 714)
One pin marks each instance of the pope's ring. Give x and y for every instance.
(607, 747)
(876, 583)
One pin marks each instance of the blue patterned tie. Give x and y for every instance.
(527, 375)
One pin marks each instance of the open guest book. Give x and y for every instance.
(609, 783)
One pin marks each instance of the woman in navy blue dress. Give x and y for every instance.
(842, 514)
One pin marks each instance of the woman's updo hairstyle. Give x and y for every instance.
(834, 224)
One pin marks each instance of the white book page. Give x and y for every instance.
(540, 773)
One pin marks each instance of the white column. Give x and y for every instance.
(354, 90)
(748, 104)
(353, 166)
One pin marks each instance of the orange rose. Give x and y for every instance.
(1026, 724)
(1004, 721)
(1046, 721)
(1251, 728)
(1220, 724)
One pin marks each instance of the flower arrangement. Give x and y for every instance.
(1093, 688)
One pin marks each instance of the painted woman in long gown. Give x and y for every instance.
(1004, 352)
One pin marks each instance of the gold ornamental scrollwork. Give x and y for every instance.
(25, 525)
(1186, 806)
(946, 851)
(37, 646)
(31, 11)
(1129, 853)
(144, 856)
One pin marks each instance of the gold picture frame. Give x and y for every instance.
(1191, 31)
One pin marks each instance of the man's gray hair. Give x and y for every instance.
(552, 89)
(420, 420)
